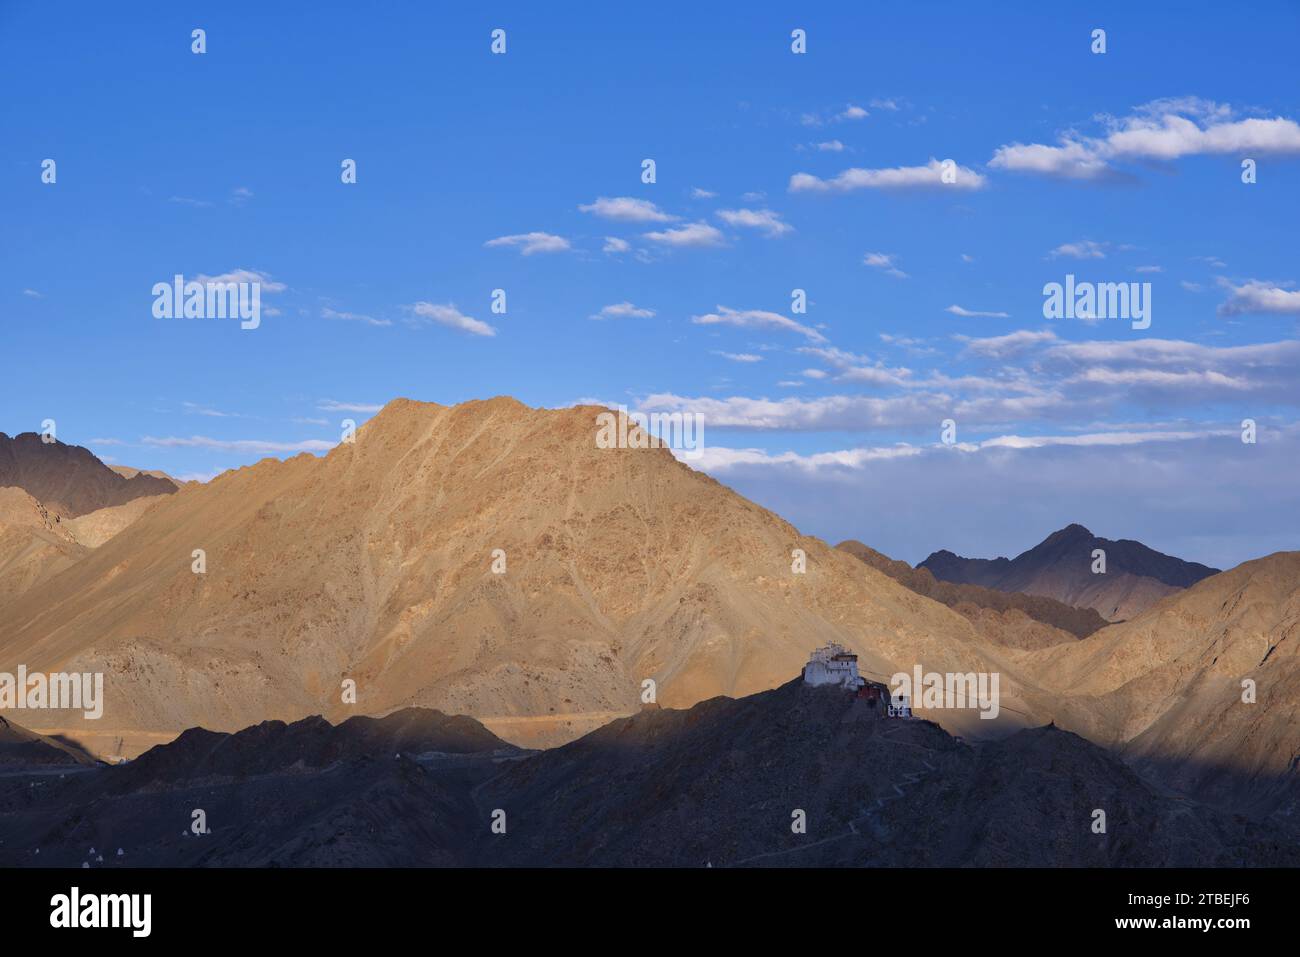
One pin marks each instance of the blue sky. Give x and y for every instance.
(925, 297)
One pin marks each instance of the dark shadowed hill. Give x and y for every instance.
(719, 784)
(20, 748)
(368, 792)
(1008, 618)
(68, 479)
(1060, 567)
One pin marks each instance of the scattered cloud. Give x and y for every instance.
(244, 275)
(886, 262)
(690, 235)
(1002, 347)
(622, 310)
(898, 177)
(1084, 249)
(756, 319)
(627, 209)
(530, 243)
(764, 220)
(449, 315)
(330, 405)
(1160, 131)
(1255, 297)
(975, 314)
(255, 446)
(328, 313)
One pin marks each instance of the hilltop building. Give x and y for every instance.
(832, 664)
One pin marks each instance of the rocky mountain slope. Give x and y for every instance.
(1170, 687)
(1060, 567)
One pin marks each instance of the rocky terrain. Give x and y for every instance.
(719, 784)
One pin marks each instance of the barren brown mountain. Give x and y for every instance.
(1202, 690)
(375, 563)
(1061, 567)
(1005, 618)
(34, 544)
(68, 479)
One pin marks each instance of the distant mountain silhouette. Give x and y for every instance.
(1060, 567)
(68, 479)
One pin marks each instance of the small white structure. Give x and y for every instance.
(900, 706)
(833, 665)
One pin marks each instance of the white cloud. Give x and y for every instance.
(740, 356)
(449, 315)
(1000, 347)
(329, 313)
(898, 177)
(622, 310)
(33, 294)
(529, 243)
(690, 235)
(256, 446)
(615, 245)
(885, 261)
(1163, 130)
(193, 408)
(1084, 249)
(1148, 269)
(765, 220)
(698, 193)
(829, 146)
(756, 319)
(627, 209)
(976, 314)
(1255, 297)
(852, 112)
(244, 275)
(331, 405)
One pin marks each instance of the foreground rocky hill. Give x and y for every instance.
(720, 784)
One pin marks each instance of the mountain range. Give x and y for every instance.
(490, 560)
